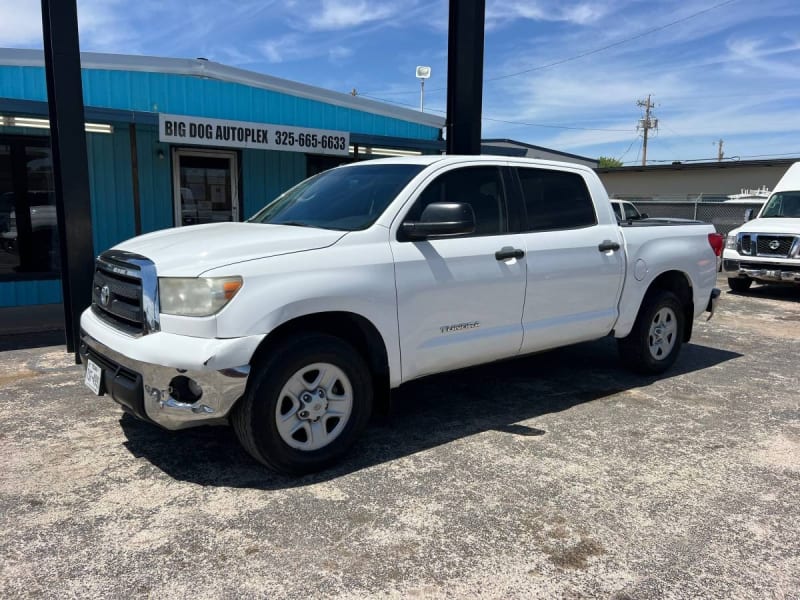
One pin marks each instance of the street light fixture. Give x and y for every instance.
(423, 73)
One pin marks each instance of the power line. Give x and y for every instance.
(584, 54)
(524, 123)
(636, 139)
(615, 44)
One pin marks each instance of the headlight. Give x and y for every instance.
(730, 242)
(196, 296)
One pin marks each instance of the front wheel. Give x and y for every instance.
(306, 404)
(655, 341)
(739, 284)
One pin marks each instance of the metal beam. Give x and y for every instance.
(70, 163)
(465, 76)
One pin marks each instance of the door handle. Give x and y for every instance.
(607, 245)
(506, 253)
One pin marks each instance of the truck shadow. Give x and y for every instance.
(788, 292)
(425, 414)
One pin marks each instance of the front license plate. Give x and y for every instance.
(94, 376)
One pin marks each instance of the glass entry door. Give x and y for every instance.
(205, 187)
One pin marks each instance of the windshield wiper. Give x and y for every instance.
(292, 223)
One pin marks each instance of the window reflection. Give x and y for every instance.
(28, 222)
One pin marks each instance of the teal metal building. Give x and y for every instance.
(173, 142)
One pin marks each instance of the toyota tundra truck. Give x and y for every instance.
(767, 249)
(289, 326)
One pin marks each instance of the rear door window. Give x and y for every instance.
(556, 200)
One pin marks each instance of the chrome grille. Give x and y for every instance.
(773, 245)
(770, 245)
(124, 292)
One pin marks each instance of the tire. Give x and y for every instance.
(740, 284)
(655, 341)
(305, 404)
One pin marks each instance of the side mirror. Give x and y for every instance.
(644, 216)
(748, 214)
(441, 219)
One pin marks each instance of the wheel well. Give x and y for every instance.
(678, 283)
(354, 329)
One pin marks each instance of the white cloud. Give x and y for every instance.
(338, 53)
(580, 13)
(345, 14)
(295, 47)
(21, 23)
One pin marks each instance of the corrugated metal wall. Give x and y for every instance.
(267, 174)
(111, 187)
(155, 180)
(24, 293)
(181, 94)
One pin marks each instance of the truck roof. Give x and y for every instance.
(429, 159)
(790, 180)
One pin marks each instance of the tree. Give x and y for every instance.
(607, 161)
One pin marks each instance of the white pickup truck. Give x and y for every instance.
(290, 325)
(767, 249)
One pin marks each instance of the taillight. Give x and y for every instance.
(717, 242)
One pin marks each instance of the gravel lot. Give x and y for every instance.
(559, 475)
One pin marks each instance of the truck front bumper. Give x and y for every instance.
(198, 389)
(772, 272)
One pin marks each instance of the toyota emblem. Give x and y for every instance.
(774, 244)
(105, 294)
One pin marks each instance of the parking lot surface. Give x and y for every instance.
(557, 475)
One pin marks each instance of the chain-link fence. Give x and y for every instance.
(723, 215)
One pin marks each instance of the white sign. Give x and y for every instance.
(201, 131)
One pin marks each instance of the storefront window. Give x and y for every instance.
(28, 223)
(207, 188)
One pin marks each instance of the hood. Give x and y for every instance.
(190, 251)
(770, 225)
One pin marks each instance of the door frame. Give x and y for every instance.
(233, 158)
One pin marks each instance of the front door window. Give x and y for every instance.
(206, 189)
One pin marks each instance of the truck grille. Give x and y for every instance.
(770, 245)
(124, 292)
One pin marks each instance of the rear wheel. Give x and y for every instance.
(305, 404)
(740, 284)
(655, 341)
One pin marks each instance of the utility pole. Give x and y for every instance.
(646, 124)
(720, 153)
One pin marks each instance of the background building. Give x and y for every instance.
(692, 181)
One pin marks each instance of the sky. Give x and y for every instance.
(563, 74)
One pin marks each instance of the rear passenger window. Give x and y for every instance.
(556, 200)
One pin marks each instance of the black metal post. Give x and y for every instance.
(70, 164)
(465, 76)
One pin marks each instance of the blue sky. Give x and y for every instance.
(562, 74)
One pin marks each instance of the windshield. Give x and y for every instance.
(782, 204)
(347, 199)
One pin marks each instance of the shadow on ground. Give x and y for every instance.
(425, 414)
(787, 292)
